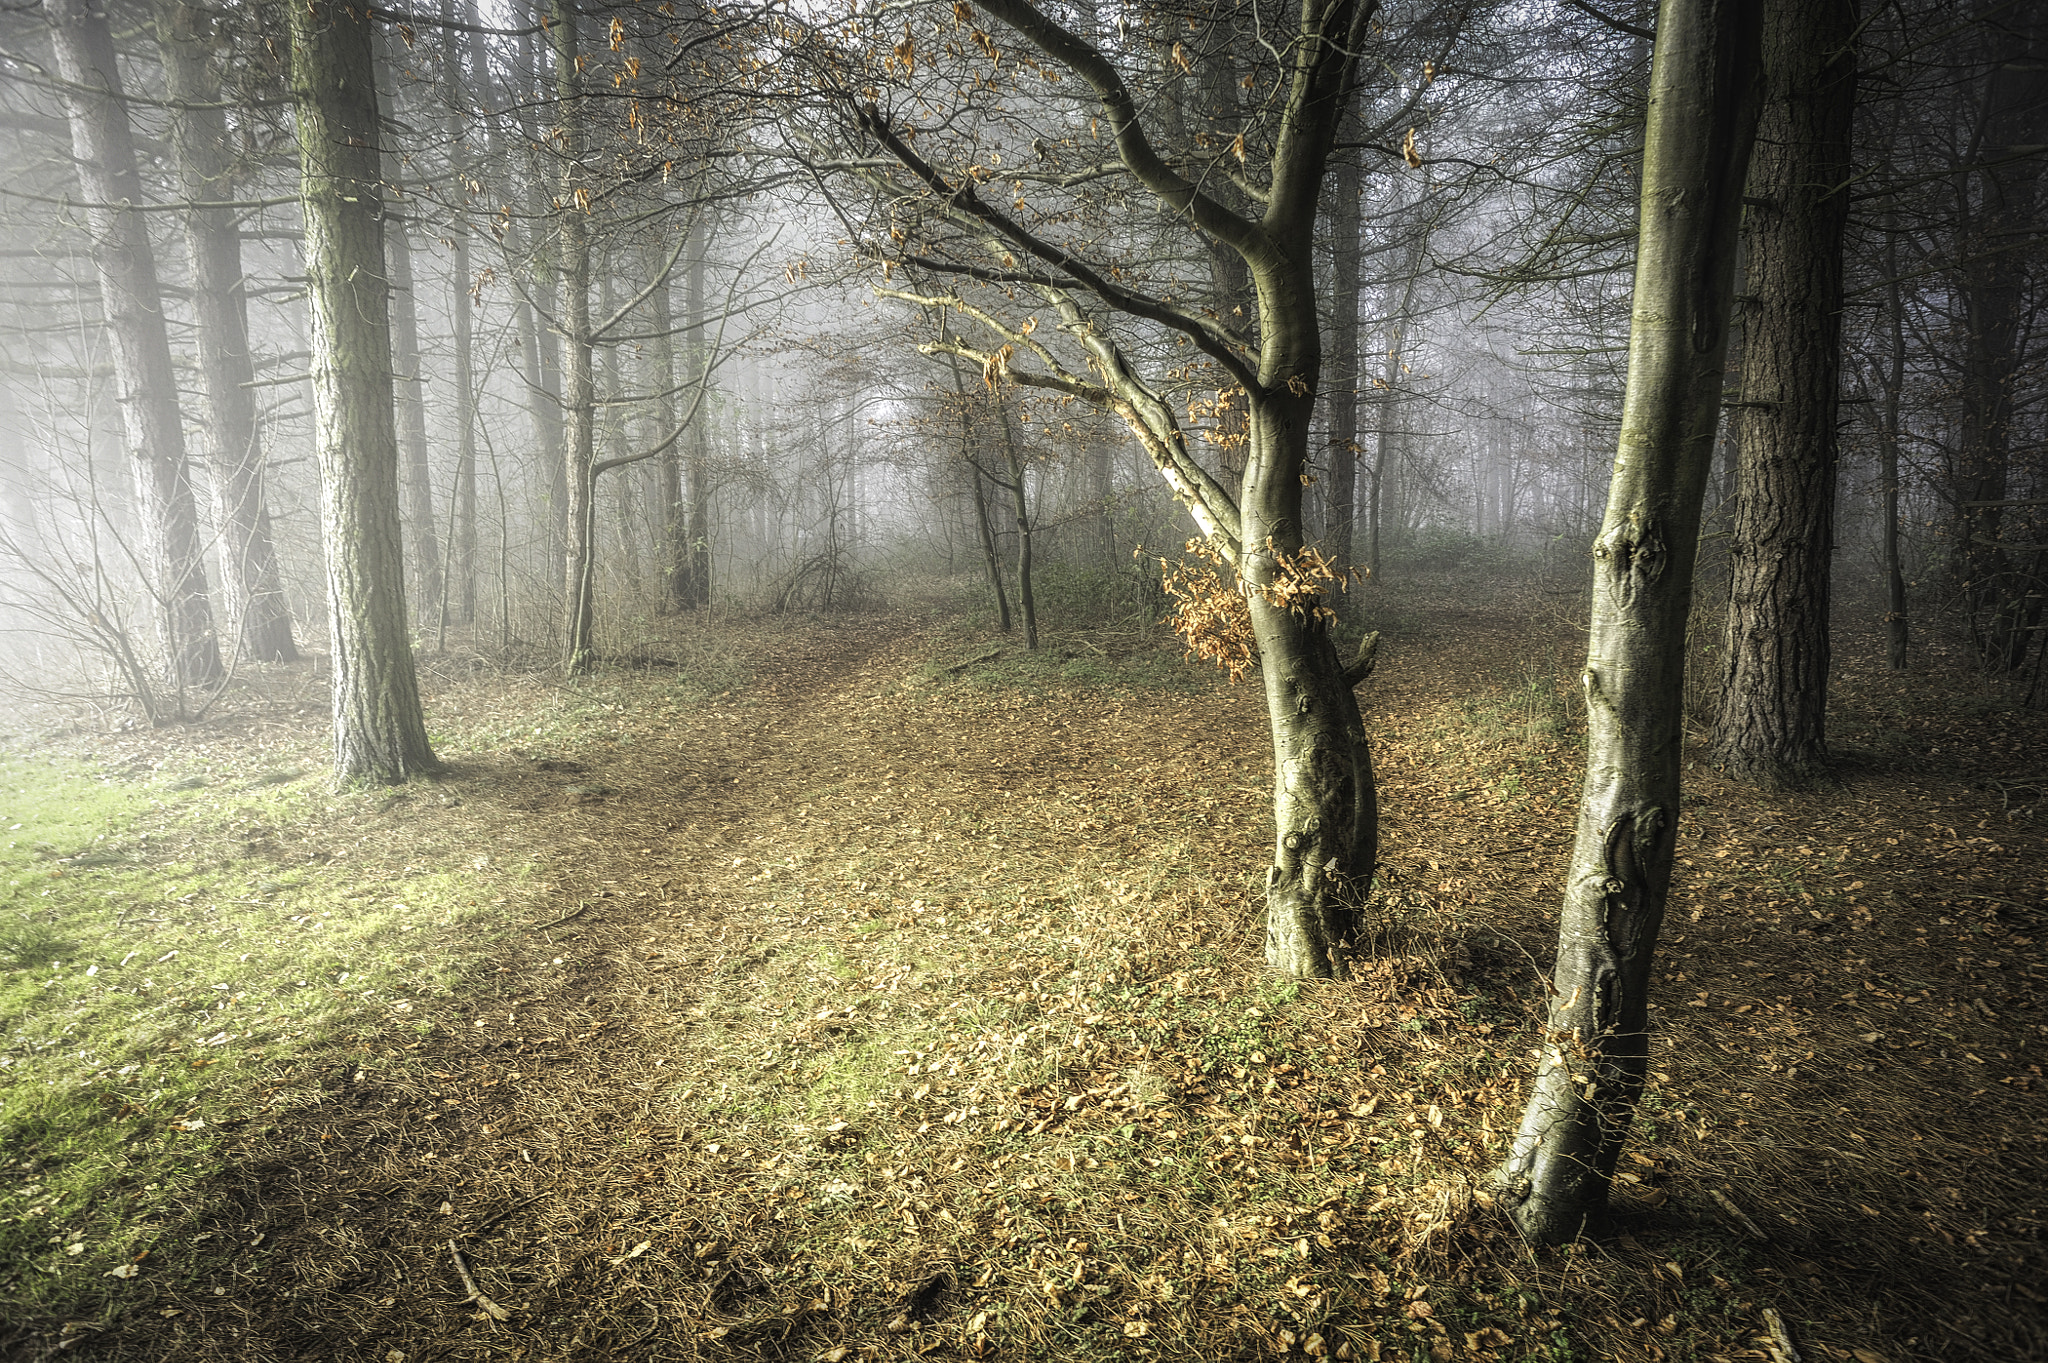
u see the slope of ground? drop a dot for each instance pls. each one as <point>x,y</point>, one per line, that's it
<point>904,1000</point>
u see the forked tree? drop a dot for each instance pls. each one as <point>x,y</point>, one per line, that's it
<point>942,222</point>
<point>1702,118</point>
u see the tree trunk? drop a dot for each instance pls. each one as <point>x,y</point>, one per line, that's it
<point>103,150</point>
<point>697,525</point>
<point>1027,603</point>
<point>1772,726</point>
<point>462,549</point>
<point>659,419</point>
<point>2005,168</point>
<point>579,397</point>
<point>379,731</point>
<point>1342,389</point>
<point>1888,436</point>
<point>981,514</point>
<point>419,520</point>
<point>1702,116</point>
<point>249,577</point>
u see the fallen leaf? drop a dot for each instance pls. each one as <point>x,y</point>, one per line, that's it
<point>124,1271</point>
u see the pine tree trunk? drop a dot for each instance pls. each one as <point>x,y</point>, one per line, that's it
<point>250,586</point>
<point>462,551</point>
<point>1027,600</point>
<point>1772,726</point>
<point>1702,117</point>
<point>379,731</point>
<point>103,151</point>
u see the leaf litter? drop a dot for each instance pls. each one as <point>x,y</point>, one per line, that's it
<point>886,1010</point>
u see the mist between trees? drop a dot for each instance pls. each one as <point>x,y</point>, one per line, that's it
<point>330,336</point>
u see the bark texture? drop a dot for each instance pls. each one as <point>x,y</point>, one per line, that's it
<point>1702,117</point>
<point>1771,729</point>
<point>146,387</point>
<point>579,375</point>
<point>379,731</point>
<point>250,588</point>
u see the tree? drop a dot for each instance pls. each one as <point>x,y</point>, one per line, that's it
<point>103,150</point>
<point>1772,726</point>
<point>379,730</point>
<point>939,221</point>
<point>1702,117</point>
<point>199,139</point>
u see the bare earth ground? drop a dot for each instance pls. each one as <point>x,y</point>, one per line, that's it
<point>901,1005</point>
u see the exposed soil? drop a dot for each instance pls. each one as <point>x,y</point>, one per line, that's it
<point>884,1010</point>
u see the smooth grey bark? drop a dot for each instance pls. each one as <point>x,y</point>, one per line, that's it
<point>251,591</point>
<point>1702,118</point>
<point>146,389</point>
<point>573,323</point>
<point>1771,726</point>
<point>379,731</point>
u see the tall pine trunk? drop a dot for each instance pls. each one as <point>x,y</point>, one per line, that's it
<point>1702,118</point>
<point>461,592</point>
<point>146,386</point>
<point>250,588</point>
<point>696,521</point>
<point>579,395</point>
<point>379,731</point>
<point>1772,726</point>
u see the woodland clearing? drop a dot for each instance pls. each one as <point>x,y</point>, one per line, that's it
<point>867,988</point>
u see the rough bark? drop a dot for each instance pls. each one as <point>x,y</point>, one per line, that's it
<point>1702,116</point>
<point>1020,505</point>
<point>982,525</point>
<point>379,731</point>
<point>1771,729</point>
<point>103,151</point>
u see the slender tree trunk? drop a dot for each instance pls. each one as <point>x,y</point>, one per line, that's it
<point>579,398</point>
<point>1027,603</point>
<point>1702,118</point>
<point>1772,726</point>
<point>1895,618</point>
<point>379,731</point>
<point>103,150</point>
<point>250,584</point>
<point>419,521</point>
<point>981,513</point>
<point>462,549</point>
<point>1342,389</point>
<point>659,419</point>
<point>697,525</point>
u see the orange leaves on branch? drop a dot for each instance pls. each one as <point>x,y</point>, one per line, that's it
<point>618,32</point>
<point>992,369</point>
<point>1408,152</point>
<point>1180,58</point>
<point>1211,611</point>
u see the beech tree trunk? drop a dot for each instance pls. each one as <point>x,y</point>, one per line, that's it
<point>379,731</point>
<point>146,386</point>
<point>696,524</point>
<point>250,587</point>
<point>579,396</point>
<point>1702,117</point>
<point>1772,726</point>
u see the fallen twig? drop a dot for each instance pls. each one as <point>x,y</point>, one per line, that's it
<point>552,922</point>
<point>1781,1338</point>
<point>494,1218</point>
<point>476,1295</point>
<point>1729,1207</point>
<point>979,658</point>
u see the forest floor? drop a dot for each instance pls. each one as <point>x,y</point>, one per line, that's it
<point>868,989</point>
